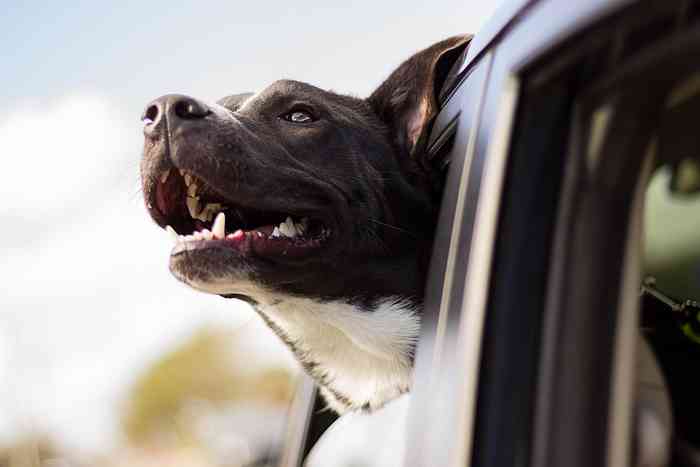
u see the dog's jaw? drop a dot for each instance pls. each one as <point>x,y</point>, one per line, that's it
<point>361,357</point>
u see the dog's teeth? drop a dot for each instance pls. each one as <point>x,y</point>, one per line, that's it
<point>290,226</point>
<point>287,228</point>
<point>172,233</point>
<point>193,207</point>
<point>206,235</point>
<point>275,233</point>
<point>219,227</point>
<point>192,190</point>
<point>188,179</point>
<point>285,231</point>
<point>164,177</point>
<point>197,235</point>
<point>182,172</point>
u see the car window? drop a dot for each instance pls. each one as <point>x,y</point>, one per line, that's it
<point>670,318</point>
<point>672,226</point>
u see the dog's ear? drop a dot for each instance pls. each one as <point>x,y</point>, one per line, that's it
<point>407,100</point>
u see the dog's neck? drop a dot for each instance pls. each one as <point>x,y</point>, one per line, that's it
<point>360,355</point>
<point>361,358</point>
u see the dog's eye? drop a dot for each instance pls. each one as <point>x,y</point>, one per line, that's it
<point>298,116</point>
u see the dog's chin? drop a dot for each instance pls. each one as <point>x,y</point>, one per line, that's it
<point>251,263</point>
<point>214,269</point>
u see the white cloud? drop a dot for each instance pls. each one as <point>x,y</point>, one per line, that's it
<point>56,153</point>
<point>90,302</point>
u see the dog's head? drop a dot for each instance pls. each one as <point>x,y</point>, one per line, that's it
<point>322,195</point>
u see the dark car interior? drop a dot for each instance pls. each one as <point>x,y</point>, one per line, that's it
<point>657,118</point>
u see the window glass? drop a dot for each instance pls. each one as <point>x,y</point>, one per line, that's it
<point>669,313</point>
<point>672,247</point>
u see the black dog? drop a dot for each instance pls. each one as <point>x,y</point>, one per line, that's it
<point>318,209</point>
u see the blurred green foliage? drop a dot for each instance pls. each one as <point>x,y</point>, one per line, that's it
<point>208,367</point>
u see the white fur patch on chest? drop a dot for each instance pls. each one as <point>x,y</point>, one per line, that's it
<point>361,358</point>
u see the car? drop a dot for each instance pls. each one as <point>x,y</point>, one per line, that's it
<point>560,319</point>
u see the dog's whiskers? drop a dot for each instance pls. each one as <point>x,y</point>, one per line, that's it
<point>371,235</point>
<point>392,227</point>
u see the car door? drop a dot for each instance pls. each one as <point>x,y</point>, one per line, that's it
<point>542,371</point>
<point>529,338</point>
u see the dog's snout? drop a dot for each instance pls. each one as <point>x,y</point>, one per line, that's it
<point>174,108</point>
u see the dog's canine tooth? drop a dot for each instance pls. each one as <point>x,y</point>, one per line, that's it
<point>193,206</point>
<point>192,190</point>
<point>275,233</point>
<point>219,227</point>
<point>164,177</point>
<point>172,233</point>
<point>188,179</point>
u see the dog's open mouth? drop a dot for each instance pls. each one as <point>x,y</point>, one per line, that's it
<point>198,217</point>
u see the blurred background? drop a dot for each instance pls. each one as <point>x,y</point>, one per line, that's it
<point>105,359</point>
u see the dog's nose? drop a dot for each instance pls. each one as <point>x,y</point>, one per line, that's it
<point>174,108</point>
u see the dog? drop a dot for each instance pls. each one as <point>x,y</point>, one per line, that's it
<point>318,209</point>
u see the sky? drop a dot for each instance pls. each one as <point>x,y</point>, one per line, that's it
<point>87,301</point>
